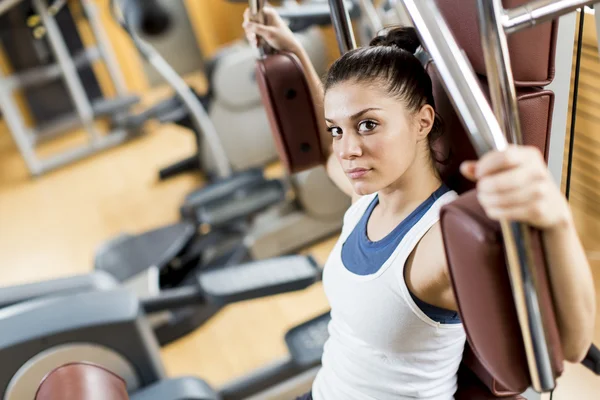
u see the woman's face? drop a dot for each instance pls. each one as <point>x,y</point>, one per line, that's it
<point>375,138</point>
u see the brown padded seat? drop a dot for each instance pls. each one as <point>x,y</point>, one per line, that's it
<point>532,50</point>
<point>82,381</point>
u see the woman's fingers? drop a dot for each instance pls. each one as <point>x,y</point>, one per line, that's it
<point>517,197</point>
<point>512,157</point>
<point>467,168</point>
<point>511,179</point>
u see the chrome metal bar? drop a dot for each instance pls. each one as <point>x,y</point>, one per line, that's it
<point>486,134</point>
<point>17,127</point>
<point>372,17</point>
<point>342,24</point>
<point>69,70</point>
<point>498,70</point>
<point>521,262</point>
<point>104,47</point>
<point>200,119</point>
<point>539,11</point>
<point>256,11</point>
<point>457,75</point>
<point>7,5</point>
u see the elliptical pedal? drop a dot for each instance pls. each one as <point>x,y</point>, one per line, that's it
<point>305,342</point>
<point>259,278</point>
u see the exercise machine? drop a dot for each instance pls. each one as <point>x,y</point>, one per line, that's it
<point>109,327</point>
<point>50,62</point>
<point>240,215</point>
<point>231,106</point>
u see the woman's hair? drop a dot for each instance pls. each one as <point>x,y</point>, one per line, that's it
<point>389,59</point>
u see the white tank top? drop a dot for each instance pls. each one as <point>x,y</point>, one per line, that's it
<point>381,345</point>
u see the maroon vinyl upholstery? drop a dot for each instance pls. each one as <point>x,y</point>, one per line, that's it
<point>287,99</point>
<point>82,381</point>
<point>494,356</point>
<point>532,50</point>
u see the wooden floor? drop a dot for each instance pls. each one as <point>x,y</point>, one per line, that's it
<point>51,226</point>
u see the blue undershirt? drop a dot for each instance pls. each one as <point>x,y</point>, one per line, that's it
<point>362,256</point>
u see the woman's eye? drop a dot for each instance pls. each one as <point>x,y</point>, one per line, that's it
<point>335,131</point>
<point>366,126</point>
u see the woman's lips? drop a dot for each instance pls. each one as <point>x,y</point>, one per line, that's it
<point>357,172</point>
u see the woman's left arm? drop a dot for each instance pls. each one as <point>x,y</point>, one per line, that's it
<point>515,185</point>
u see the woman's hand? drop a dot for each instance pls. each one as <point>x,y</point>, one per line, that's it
<point>516,185</point>
<point>275,31</point>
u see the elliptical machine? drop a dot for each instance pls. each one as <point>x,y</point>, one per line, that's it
<point>240,217</point>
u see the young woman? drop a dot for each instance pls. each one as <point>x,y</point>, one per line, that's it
<point>395,331</point>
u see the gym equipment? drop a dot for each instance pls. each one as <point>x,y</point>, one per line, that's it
<point>514,295</point>
<point>287,97</point>
<point>54,65</point>
<point>232,102</point>
<point>210,290</point>
<point>109,328</point>
<point>217,231</point>
<point>445,52</point>
<point>508,365</point>
<point>259,218</point>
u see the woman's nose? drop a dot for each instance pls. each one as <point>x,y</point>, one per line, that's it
<point>349,146</point>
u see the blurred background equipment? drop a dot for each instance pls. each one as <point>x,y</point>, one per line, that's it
<point>53,70</point>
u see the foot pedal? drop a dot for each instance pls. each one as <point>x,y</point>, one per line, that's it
<point>128,255</point>
<point>258,279</point>
<point>219,190</point>
<point>241,204</point>
<point>305,342</point>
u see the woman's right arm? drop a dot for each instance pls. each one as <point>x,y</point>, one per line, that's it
<point>278,35</point>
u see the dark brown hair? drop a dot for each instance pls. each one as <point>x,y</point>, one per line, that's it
<point>390,59</point>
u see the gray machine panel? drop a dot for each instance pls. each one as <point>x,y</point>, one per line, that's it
<point>177,389</point>
<point>109,319</point>
<point>75,284</point>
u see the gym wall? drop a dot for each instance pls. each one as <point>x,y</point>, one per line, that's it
<point>585,175</point>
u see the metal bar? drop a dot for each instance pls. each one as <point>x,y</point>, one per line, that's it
<point>105,142</point>
<point>498,70</point>
<point>103,44</point>
<point>521,261</point>
<point>70,74</point>
<point>561,86</point>
<point>257,15</point>
<point>539,11</point>
<point>170,299</point>
<point>200,119</point>
<point>7,5</point>
<point>37,75</point>
<point>457,75</point>
<point>372,17</point>
<point>342,24</point>
<point>16,125</point>
<point>597,17</point>
<point>485,133</point>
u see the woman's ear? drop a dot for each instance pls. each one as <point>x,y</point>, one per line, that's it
<point>425,118</point>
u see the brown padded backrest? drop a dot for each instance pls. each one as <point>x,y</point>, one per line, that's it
<point>473,243</point>
<point>535,111</point>
<point>531,50</point>
<point>287,100</point>
<point>82,381</point>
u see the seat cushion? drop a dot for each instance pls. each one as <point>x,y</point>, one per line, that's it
<point>82,381</point>
<point>478,271</point>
